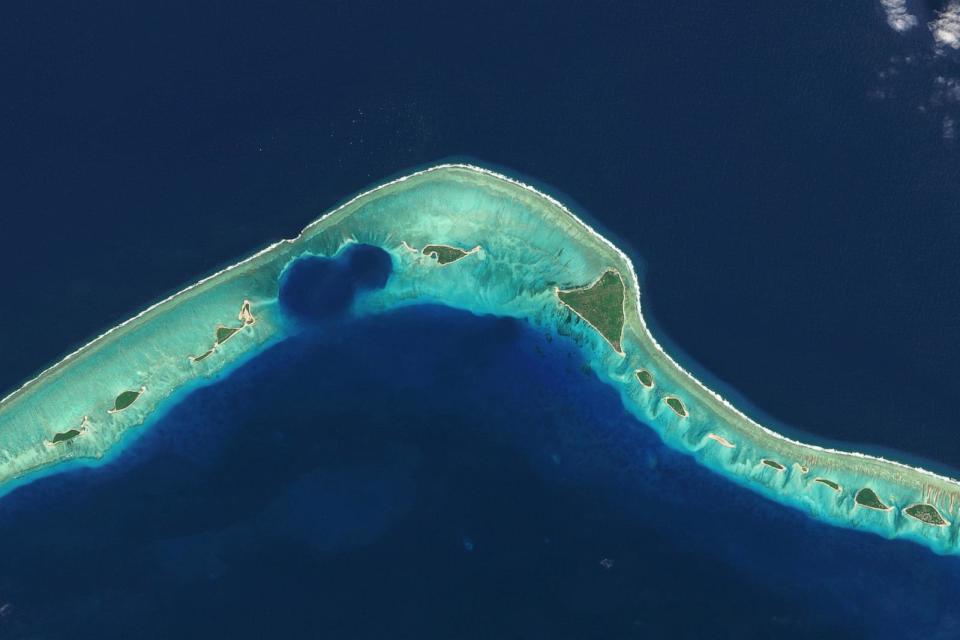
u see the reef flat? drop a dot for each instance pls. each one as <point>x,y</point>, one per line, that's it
<point>531,258</point>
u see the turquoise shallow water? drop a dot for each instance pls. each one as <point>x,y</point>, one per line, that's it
<point>785,170</point>
<point>456,474</point>
<point>524,245</point>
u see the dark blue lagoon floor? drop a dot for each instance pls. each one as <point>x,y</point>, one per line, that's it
<point>433,474</point>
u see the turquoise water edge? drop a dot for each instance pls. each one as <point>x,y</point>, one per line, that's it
<point>519,246</point>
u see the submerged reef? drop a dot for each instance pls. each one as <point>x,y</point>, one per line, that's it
<point>531,258</point>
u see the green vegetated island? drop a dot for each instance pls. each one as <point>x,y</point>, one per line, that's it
<point>125,399</point>
<point>490,245</point>
<point>600,305</point>
<point>444,254</point>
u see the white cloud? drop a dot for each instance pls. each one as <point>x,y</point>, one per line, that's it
<point>946,27</point>
<point>927,79</point>
<point>898,17</point>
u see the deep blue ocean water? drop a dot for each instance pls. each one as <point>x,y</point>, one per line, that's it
<point>780,168</point>
<point>430,473</point>
<point>786,173</point>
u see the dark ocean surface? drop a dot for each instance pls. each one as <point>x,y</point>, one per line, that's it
<point>429,473</point>
<point>785,174</point>
<point>778,167</point>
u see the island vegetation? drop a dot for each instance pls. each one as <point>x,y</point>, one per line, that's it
<point>600,305</point>
<point>65,436</point>
<point>70,434</point>
<point>245,315</point>
<point>645,378</point>
<point>125,399</point>
<point>868,498</point>
<point>829,483</point>
<point>225,333</point>
<point>568,252</point>
<point>676,404</point>
<point>444,254</point>
<point>927,514</point>
<point>202,356</point>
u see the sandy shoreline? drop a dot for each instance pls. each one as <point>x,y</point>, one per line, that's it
<point>702,395</point>
<point>594,234</point>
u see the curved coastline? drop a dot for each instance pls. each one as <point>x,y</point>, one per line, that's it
<point>502,276</point>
